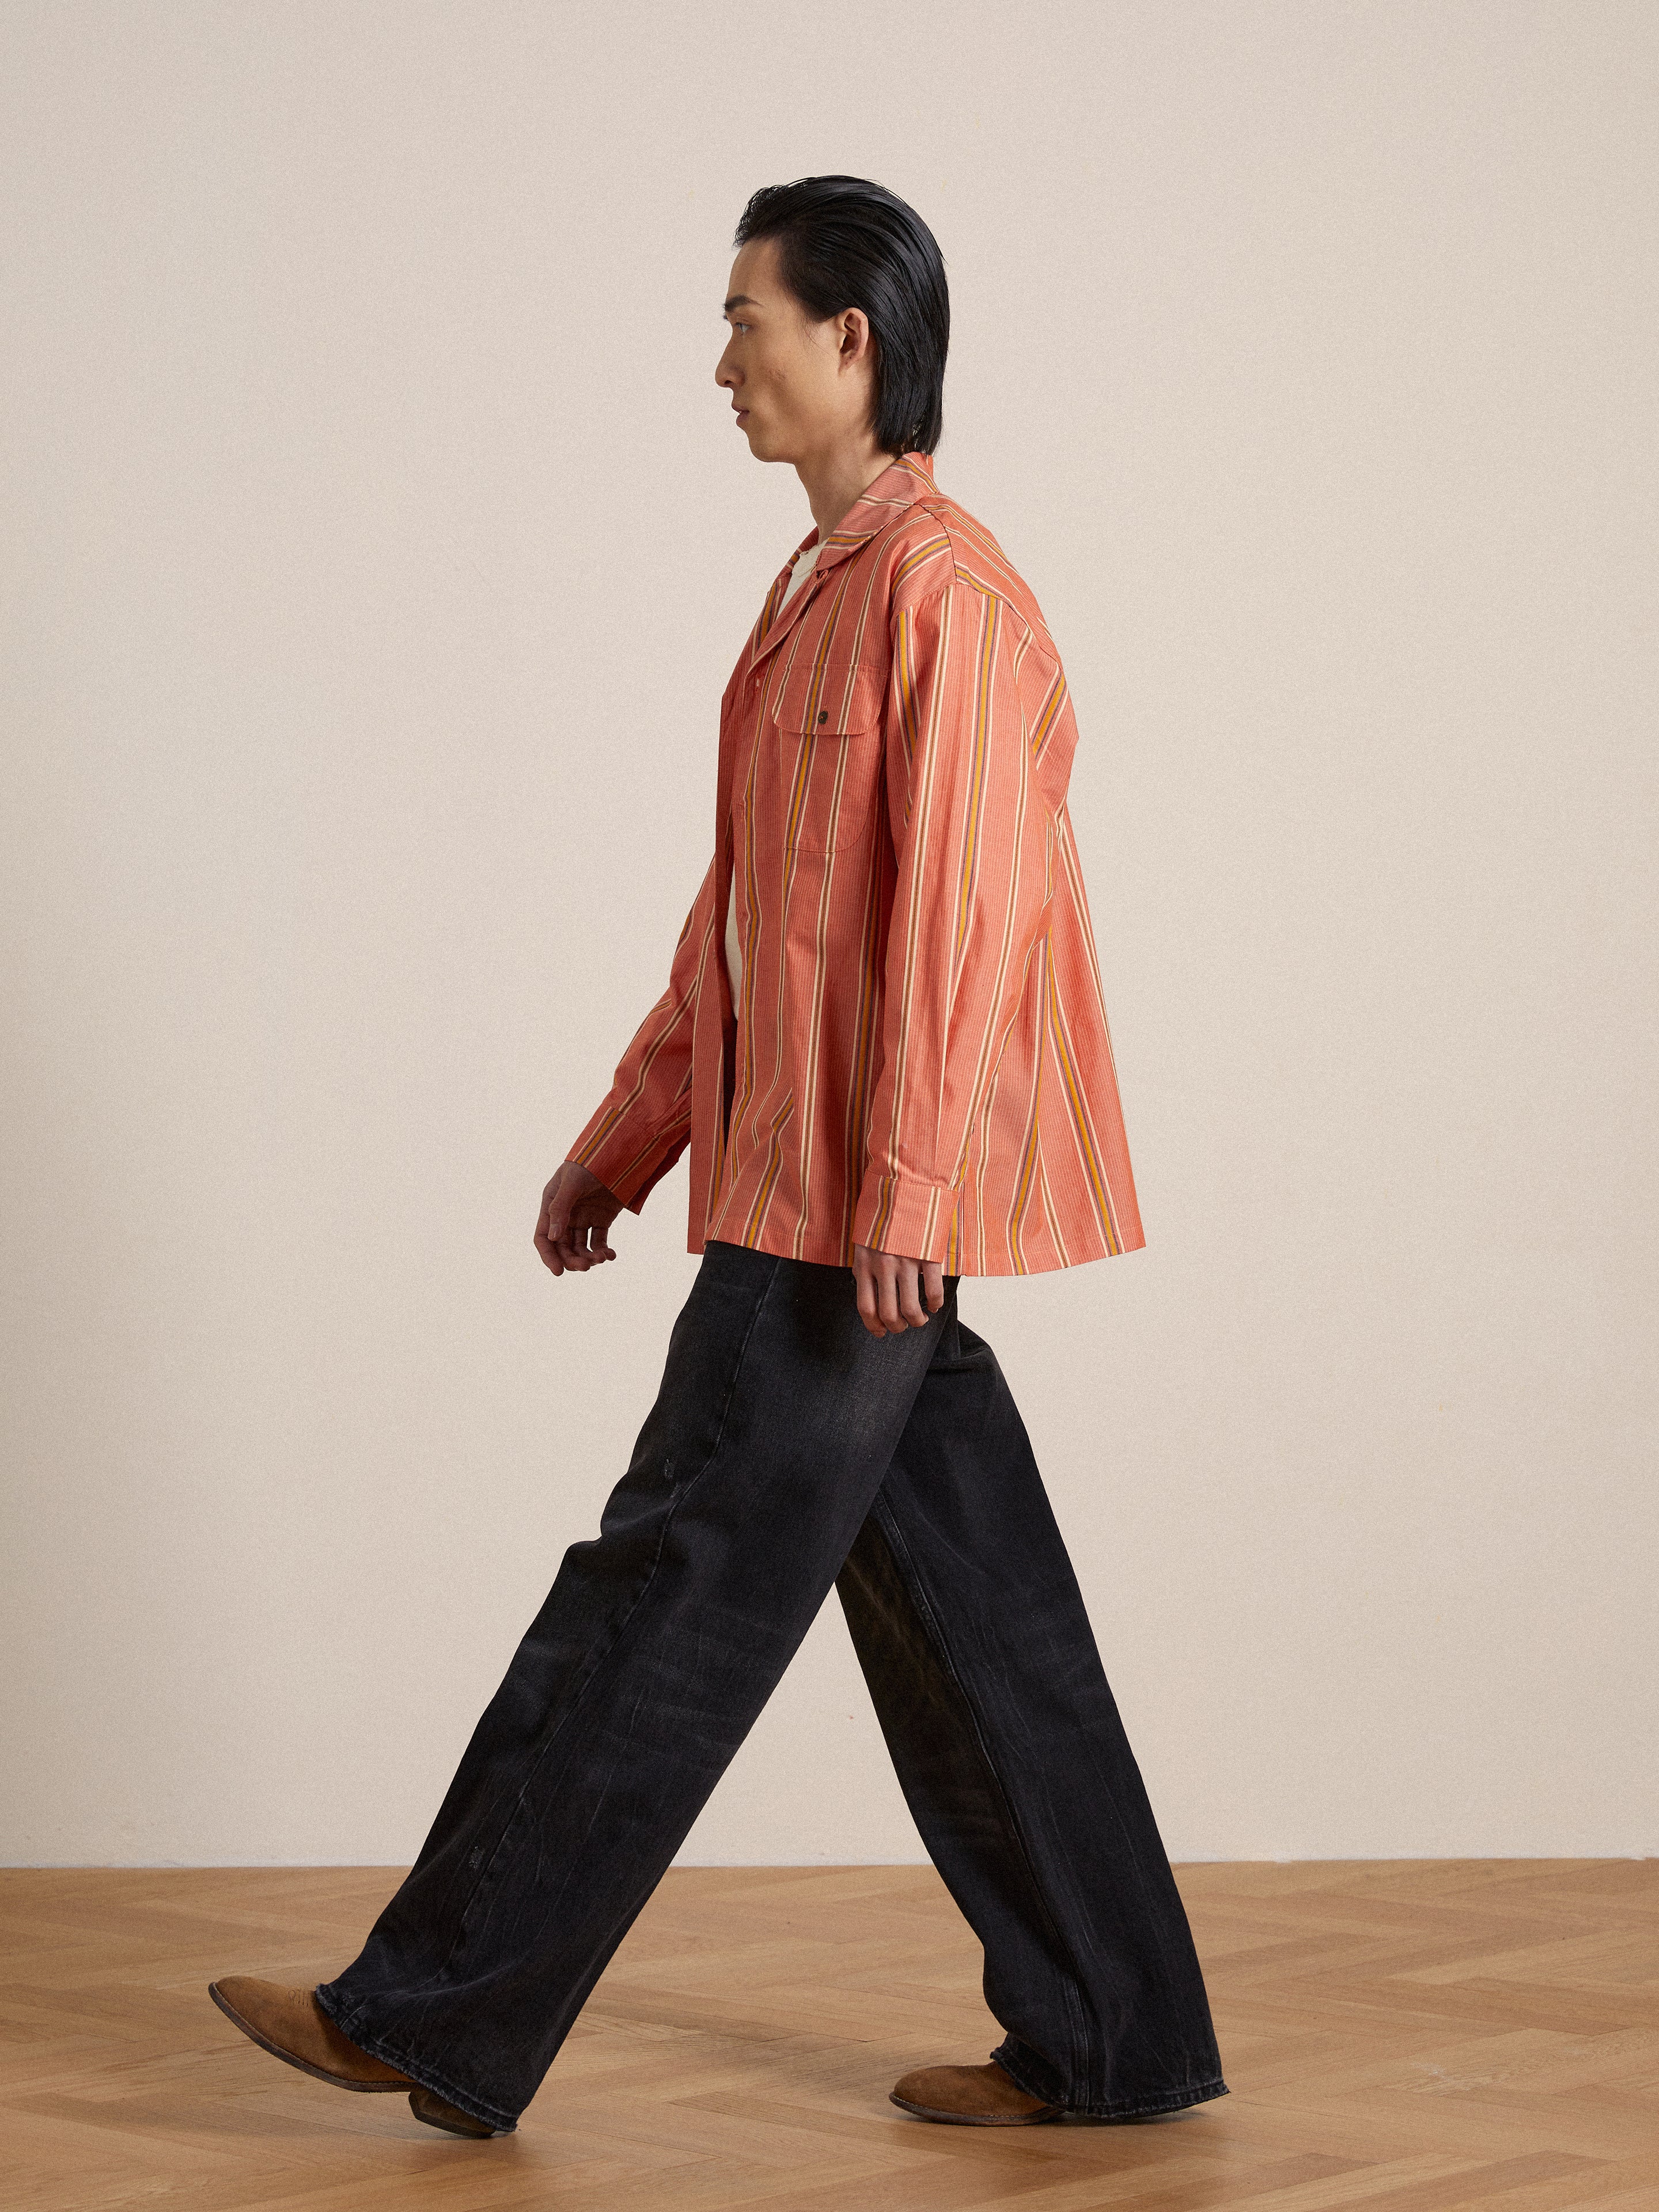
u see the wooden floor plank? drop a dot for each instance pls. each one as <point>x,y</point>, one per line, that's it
<point>1440,2036</point>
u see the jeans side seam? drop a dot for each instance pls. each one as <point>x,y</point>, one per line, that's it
<point>908,1573</point>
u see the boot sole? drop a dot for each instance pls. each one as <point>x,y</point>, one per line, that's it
<point>978,2119</point>
<point>304,2065</point>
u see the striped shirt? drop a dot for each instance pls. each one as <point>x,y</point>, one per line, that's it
<point>916,1057</point>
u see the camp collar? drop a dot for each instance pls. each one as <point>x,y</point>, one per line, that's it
<point>904,481</point>
<point>910,478</point>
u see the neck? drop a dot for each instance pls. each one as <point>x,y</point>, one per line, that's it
<point>835,481</point>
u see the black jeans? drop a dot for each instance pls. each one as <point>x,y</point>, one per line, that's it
<point>789,1450</point>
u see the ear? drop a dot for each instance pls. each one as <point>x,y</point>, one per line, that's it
<point>855,333</point>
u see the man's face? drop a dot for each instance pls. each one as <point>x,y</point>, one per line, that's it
<point>801,388</point>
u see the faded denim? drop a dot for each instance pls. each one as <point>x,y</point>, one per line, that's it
<point>789,1451</point>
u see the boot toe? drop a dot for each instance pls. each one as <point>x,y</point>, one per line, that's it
<point>290,2024</point>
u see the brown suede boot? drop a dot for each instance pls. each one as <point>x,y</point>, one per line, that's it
<point>970,2097</point>
<point>291,2025</point>
<point>427,2106</point>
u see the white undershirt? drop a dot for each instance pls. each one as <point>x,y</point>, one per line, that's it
<point>802,570</point>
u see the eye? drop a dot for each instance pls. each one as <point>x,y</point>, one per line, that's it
<point>737,325</point>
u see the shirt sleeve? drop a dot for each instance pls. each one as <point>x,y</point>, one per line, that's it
<point>643,1123</point>
<point>971,902</point>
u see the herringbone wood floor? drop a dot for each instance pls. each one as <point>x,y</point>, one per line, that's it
<point>1398,2037</point>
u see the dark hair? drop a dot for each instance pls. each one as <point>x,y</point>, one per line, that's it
<point>844,242</point>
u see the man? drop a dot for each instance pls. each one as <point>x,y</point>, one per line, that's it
<point>883,1042</point>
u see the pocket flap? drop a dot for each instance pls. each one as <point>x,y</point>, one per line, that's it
<point>838,699</point>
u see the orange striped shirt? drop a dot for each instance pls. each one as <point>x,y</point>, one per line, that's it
<point>920,1060</point>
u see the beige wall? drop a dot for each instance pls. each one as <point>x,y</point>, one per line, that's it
<point>376,545</point>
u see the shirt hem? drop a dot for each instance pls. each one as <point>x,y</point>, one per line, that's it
<point>826,1251</point>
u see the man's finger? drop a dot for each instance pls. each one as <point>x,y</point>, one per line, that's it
<point>887,1302</point>
<point>562,1234</point>
<point>598,1243</point>
<point>546,1240</point>
<point>908,1297</point>
<point>933,1279</point>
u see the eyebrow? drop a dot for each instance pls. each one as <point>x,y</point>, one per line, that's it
<point>738,300</point>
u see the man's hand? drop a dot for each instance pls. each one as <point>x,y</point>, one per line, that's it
<point>889,1292</point>
<point>576,1211</point>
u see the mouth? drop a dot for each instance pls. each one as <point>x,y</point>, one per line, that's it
<point>742,414</point>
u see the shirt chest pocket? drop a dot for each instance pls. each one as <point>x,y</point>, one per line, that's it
<point>826,726</point>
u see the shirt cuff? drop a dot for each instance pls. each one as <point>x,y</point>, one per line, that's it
<point>627,1166</point>
<point>906,1215</point>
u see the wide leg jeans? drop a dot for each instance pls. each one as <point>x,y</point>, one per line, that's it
<point>789,1451</point>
